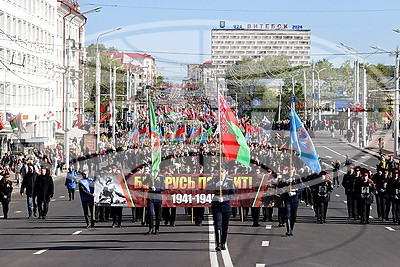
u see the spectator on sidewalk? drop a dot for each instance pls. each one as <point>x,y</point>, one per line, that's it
<point>381,144</point>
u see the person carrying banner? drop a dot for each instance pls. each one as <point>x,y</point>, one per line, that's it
<point>224,190</point>
<point>154,202</point>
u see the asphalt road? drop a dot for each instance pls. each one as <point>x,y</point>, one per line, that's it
<point>62,240</point>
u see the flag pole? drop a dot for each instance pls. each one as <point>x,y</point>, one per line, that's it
<point>220,144</point>
<point>151,136</point>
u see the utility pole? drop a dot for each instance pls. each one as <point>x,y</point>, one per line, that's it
<point>364,106</point>
<point>66,105</point>
<point>396,107</point>
<point>113,105</point>
<point>313,94</point>
<point>305,94</point>
<point>356,98</point>
<point>98,77</point>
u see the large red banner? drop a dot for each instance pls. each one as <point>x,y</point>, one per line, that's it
<point>188,190</point>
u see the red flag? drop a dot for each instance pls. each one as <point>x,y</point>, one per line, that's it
<point>79,122</point>
<point>301,104</point>
<point>1,125</point>
<point>283,147</point>
<point>388,116</point>
<point>102,108</point>
<point>359,109</point>
<point>109,115</point>
<point>103,117</point>
<point>180,131</point>
<point>234,144</point>
<point>143,131</point>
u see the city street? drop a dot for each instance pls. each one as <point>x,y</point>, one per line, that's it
<point>62,240</point>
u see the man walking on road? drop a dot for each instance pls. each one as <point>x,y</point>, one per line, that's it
<point>86,191</point>
<point>5,193</point>
<point>28,183</point>
<point>44,191</point>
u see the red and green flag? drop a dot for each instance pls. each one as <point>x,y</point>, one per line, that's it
<point>155,142</point>
<point>234,144</point>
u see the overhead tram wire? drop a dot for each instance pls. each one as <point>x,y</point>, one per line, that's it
<point>242,10</point>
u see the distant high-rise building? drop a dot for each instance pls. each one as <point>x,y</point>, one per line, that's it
<point>259,41</point>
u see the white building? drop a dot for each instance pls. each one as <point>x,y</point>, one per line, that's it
<point>34,36</point>
<point>257,42</point>
<point>143,67</point>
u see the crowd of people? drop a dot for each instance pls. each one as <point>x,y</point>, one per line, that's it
<point>290,181</point>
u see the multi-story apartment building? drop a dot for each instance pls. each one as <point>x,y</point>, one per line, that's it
<point>142,66</point>
<point>38,39</point>
<point>231,45</point>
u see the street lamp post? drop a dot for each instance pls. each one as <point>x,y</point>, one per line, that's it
<point>396,96</point>
<point>114,98</point>
<point>98,77</point>
<point>319,94</point>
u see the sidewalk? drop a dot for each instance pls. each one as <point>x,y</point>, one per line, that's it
<point>372,147</point>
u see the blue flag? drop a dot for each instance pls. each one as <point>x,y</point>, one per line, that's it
<point>302,142</point>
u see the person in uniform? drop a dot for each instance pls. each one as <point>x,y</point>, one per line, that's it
<point>347,183</point>
<point>5,193</point>
<point>364,189</point>
<point>394,189</point>
<point>224,189</point>
<point>381,190</point>
<point>387,180</point>
<point>270,197</point>
<point>293,185</point>
<point>154,202</point>
<point>279,201</point>
<point>322,193</point>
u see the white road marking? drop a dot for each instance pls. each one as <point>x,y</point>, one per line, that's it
<point>342,171</point>
<point>329,157</point>
<point>265,244</point>
<point>226,257</point>
<point>40,252</point>
<point>345,201</point>
<point>77,232</point>
<point>334,151</point>
<point>390,229</point>
<point>268,227</point>
<point>337,195</point>
<point>211,238</point>
<point>17,211</point>
<point>61,196</point>
<point>53,200</point>
<point>362,163</point>
<point>371,217</point>
<point>260,265</point>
